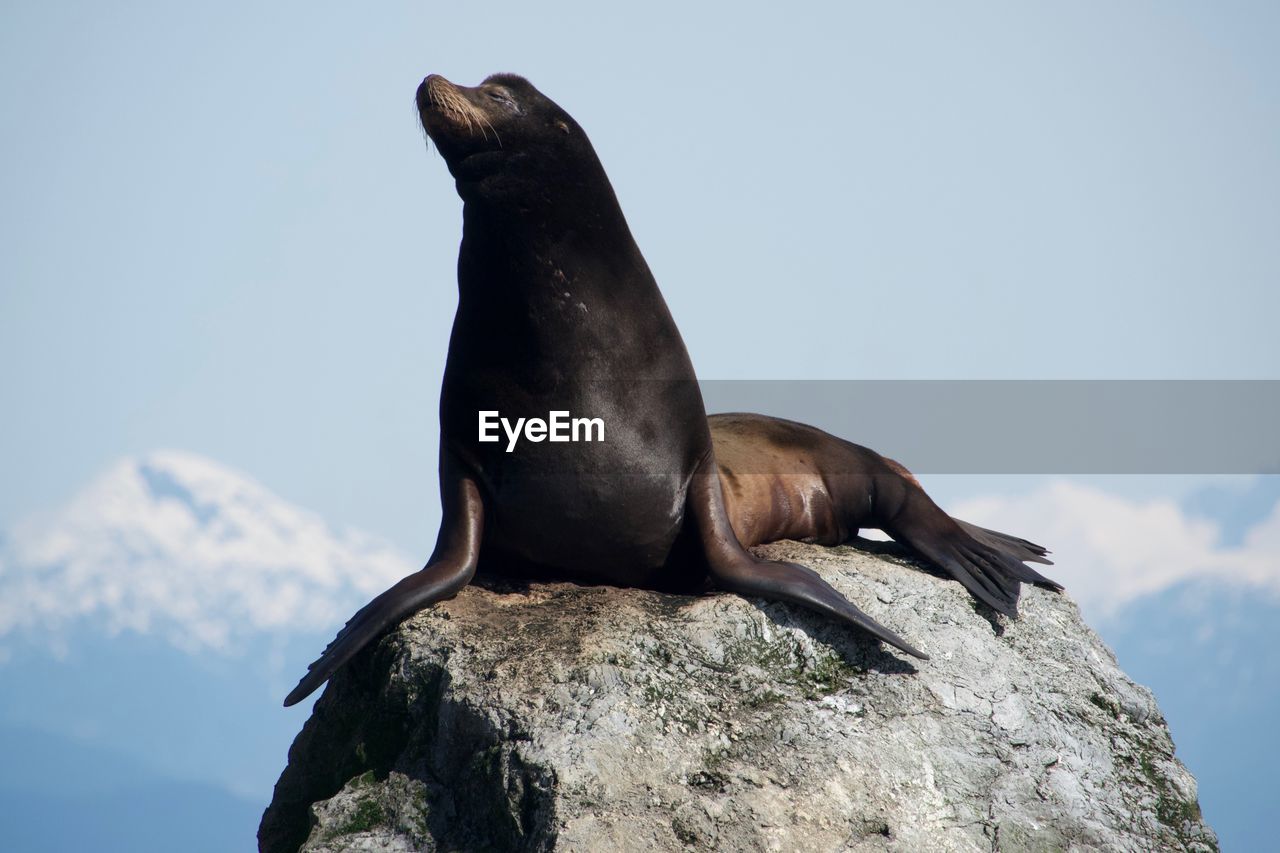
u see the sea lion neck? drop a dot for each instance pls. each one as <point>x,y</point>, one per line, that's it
<point>524,195</point>
<point>583,241</point>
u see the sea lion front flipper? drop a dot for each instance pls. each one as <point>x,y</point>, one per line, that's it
<point>451,567</point>
<point>734,569</point>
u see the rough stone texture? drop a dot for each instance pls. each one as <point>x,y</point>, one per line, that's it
<point>590,718</point>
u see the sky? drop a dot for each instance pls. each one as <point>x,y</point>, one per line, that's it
<point>222,231</point>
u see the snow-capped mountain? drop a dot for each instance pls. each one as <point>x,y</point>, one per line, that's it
<point>177,546</point>
<point>158,618</point>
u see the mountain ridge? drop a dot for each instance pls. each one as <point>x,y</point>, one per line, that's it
<point>173,543</point>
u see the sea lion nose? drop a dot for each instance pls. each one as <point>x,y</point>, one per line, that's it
<point>424,89</point>
<point>432,83</point>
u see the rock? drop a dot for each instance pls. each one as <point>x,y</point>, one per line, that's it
<point>555,716</point>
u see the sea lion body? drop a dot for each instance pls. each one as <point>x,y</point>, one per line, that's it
<point>787,480</point>
<point>558,311</point>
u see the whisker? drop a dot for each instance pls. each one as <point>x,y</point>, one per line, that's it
<point>453,104</point>
<point>494,129</point>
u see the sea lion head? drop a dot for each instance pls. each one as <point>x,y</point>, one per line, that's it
<point>505,142</point>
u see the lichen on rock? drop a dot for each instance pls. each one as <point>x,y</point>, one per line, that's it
<point>555,716</point>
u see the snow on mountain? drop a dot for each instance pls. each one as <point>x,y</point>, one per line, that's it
<point>178,546</point>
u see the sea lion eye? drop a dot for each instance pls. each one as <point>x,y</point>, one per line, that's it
<point>500,96</point>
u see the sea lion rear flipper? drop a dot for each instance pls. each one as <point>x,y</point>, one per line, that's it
<point>734,569</point>
<point>988,564</point>
<point>450,568</point>
<point>1014,546</point>
<point>979,572</point>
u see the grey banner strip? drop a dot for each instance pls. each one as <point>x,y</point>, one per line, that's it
<point>1034,427</point>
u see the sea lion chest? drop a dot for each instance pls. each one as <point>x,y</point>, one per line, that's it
<point>569,393</point>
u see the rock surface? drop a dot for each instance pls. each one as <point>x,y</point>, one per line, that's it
<point>591,718</point>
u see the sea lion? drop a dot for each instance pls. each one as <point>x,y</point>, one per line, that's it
<point>558,311</point>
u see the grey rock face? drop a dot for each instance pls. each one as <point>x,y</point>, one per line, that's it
<point>592,718</point>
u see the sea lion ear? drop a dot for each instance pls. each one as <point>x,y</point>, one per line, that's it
<point>563,126</point>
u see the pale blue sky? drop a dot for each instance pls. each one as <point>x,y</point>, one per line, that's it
<point>222,230</point>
